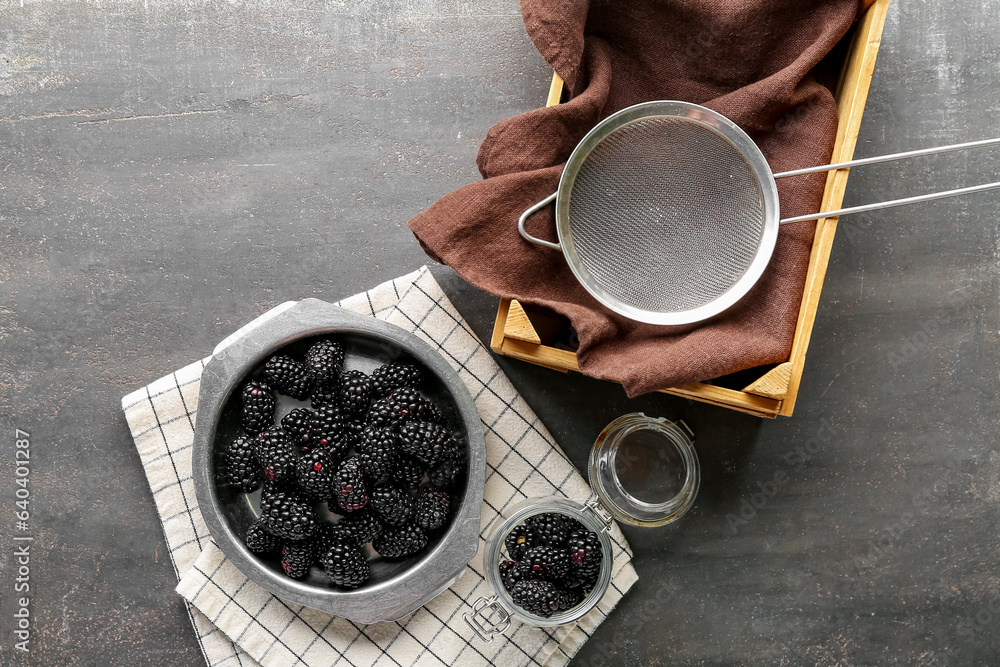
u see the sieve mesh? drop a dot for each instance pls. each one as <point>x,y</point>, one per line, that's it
<point>666,214</point>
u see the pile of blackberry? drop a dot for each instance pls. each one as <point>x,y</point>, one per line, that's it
<point>371,448</point>
<point>552,564</point>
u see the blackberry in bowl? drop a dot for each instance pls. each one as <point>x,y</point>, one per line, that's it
<point>285,482</point>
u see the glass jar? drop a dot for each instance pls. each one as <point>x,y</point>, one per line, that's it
<point>643,471</point>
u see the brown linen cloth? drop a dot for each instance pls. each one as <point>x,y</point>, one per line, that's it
<point>752,61</point>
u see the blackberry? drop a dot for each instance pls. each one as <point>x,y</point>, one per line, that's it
<point>349,486</point>
<point>273,437</point>
<point>357,528</point>
<point>381,415</point>
<point>408,472</point>
<point>400,542</point>
<point>568,599</point>
<point>537,597</point>
<point>345,564</point>
<point>446,473</point>
<point>427,441</point>
<point>298,424</point>
<point>547,562</point>
<point>315,473</point>
<point>431,509</point>
<point>518,542</point>
<point>288,376</point>
<point>377,453</point>
<point>355,394</point>
<point>286,515</point>
<point>506,567</point>
<point>549,529</point>
<point>324,394</point>
<point>242,466</point>
<point>585,552</point>
<point>259,541</point>
<point>387,379</point>
<point>324,360</point>
<point>516,574</point>
<point>362,526</point>
<point>297,558</point>
<point>258,407</point>
<point>580,580</point>
<point>276,456</point>
<point>279,467</point>
<point>353,428</point>
<point>329,431</point>
<point>403,405</point>
<point>324,536</point>
<point>393,505</point>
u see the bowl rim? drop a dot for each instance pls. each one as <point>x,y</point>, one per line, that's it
<point>230,364</point>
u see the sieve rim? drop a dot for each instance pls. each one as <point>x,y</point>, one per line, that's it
<point>720,125</point>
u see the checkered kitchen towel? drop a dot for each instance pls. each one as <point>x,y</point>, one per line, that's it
<point>239,623</point>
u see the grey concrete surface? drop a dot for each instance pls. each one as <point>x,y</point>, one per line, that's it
<point>169,170</point>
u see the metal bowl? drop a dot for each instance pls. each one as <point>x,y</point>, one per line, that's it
<point>396,587</point>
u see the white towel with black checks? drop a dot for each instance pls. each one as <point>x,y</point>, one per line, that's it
<point>239,623</point>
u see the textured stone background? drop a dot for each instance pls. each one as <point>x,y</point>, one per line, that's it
<point>169,170</point>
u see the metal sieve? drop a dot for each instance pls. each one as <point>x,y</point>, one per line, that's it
<point>668,213</point>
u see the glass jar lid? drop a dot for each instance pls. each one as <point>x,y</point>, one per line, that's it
<point>644,470</point>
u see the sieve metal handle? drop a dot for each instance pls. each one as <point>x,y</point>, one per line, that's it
<point>531,211</point>
<point>889,204</point>
<point>887,158</point>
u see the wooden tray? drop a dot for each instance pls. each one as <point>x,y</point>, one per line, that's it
<point>522,336</point>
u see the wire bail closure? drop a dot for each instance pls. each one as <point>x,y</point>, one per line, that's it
<point>482,623</point>
<point>600,512</point>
